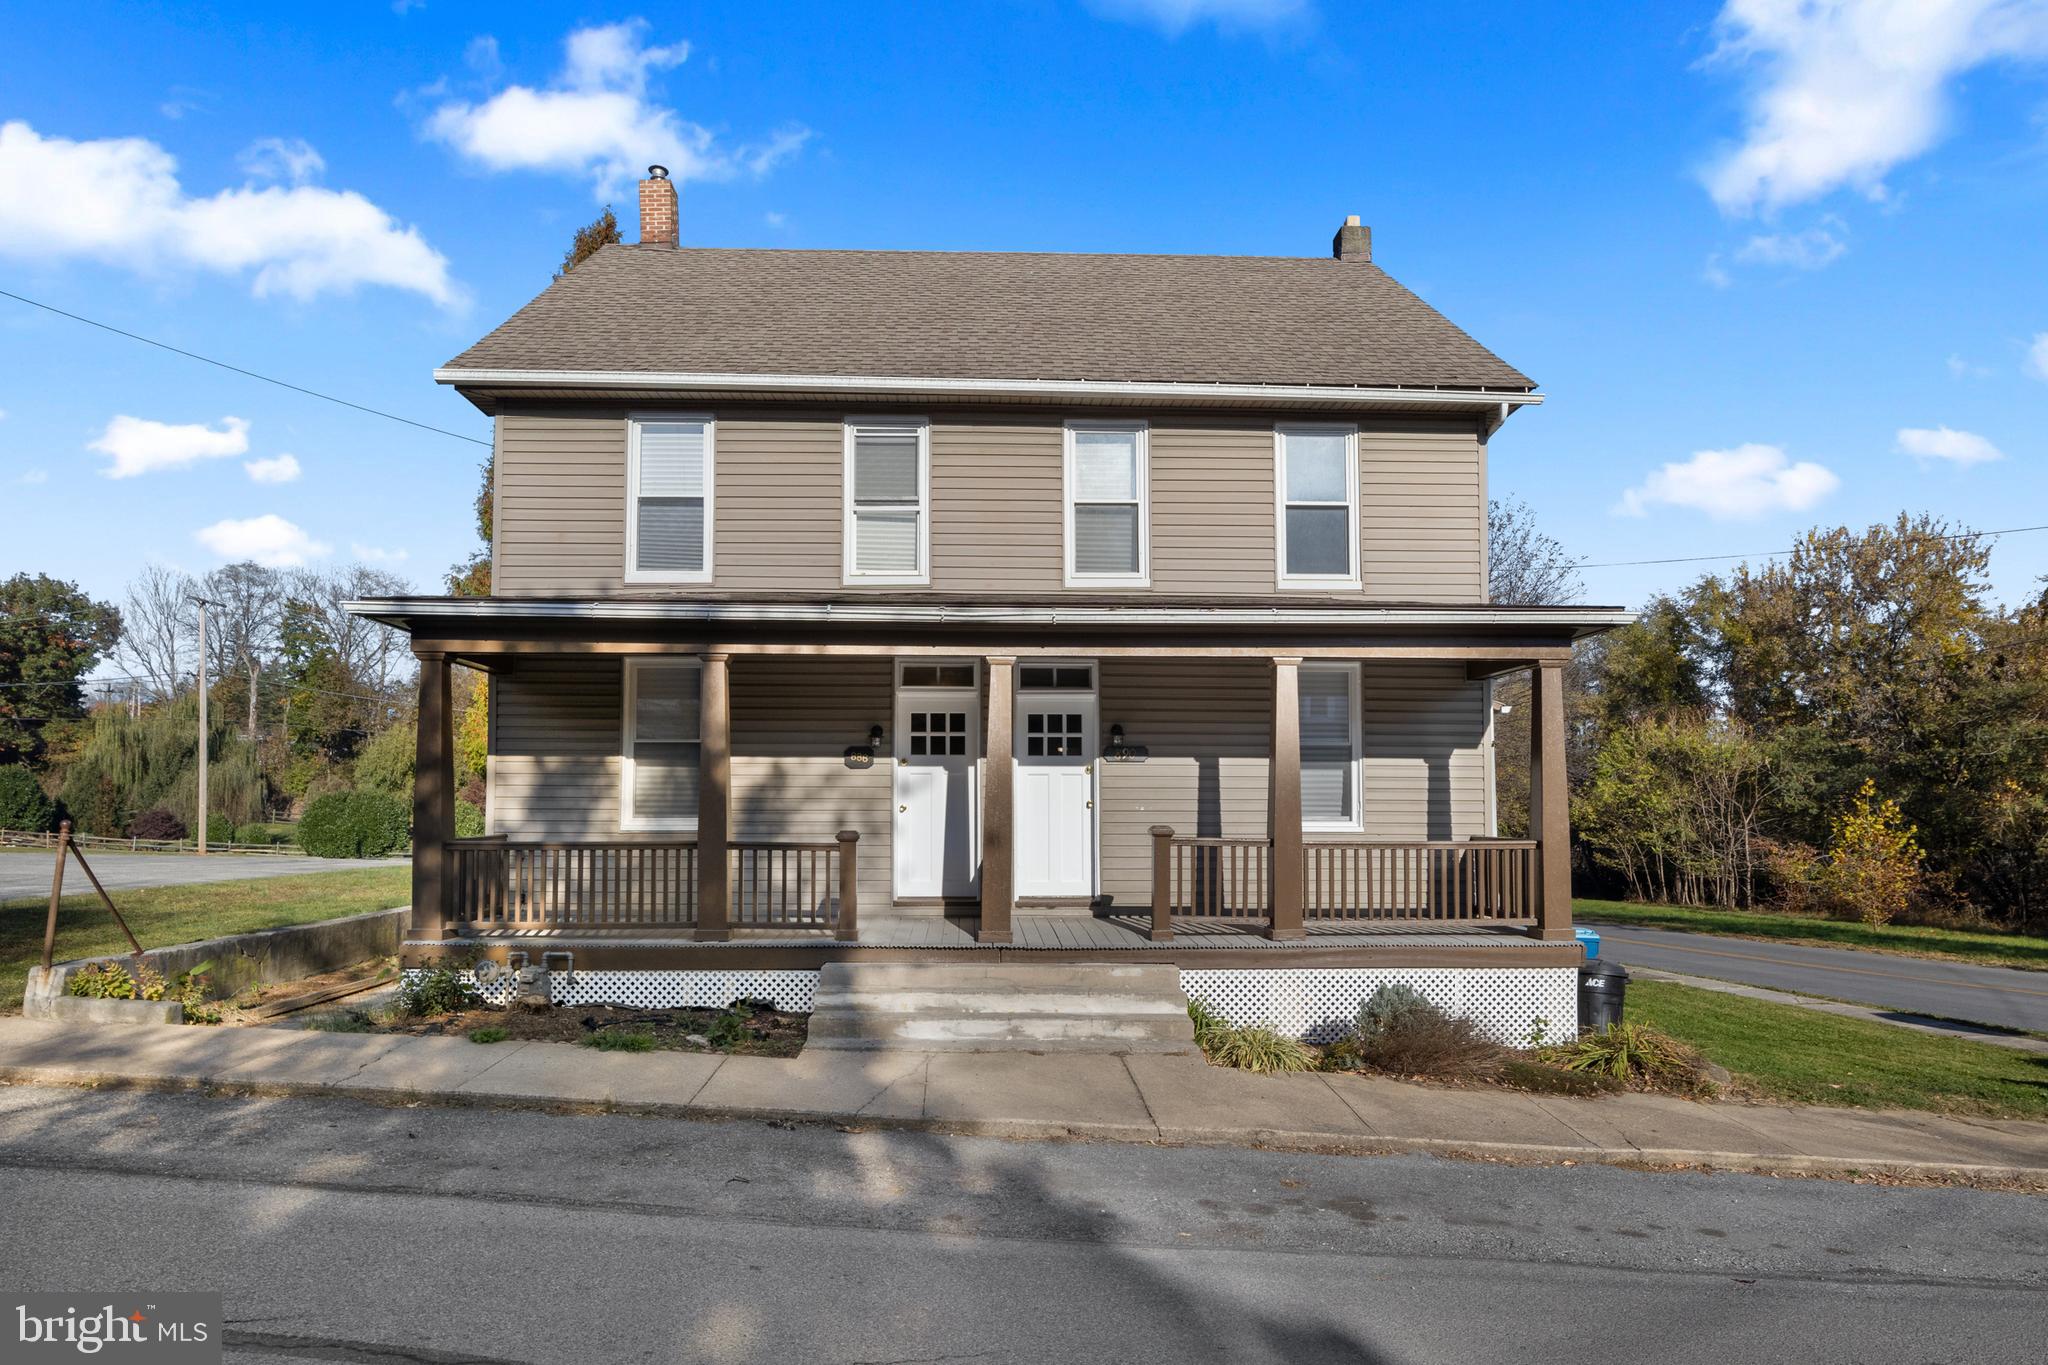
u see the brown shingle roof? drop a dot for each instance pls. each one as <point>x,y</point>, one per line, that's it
<point>990,315</point>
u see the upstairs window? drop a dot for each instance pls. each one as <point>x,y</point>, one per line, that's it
<point>888,490</point>
<point>1107,522</point>
<point>1329,747</point>
<point>668,504</point>
<point>1316,475</point>
<point>663,744</point>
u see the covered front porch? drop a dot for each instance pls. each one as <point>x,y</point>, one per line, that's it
<point>1189,715</point>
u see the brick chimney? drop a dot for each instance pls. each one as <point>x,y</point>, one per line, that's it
<point>657,208</point>
<point>1352,242</point>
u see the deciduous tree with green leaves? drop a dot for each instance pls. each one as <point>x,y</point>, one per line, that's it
<point>51,636</point>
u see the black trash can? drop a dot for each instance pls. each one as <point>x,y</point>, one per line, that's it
<point>1603,989</point>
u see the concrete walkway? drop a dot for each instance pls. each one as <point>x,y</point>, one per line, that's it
<point>25,873</point>
<point>2005,997</point>
<point>1132,1098</point>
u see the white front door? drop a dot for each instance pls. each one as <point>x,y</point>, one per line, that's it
<point>936,746</point>
<point>1055,794</point>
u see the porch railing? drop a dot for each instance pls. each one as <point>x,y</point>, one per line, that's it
<point>498,884</point>
<point>1201,880</point>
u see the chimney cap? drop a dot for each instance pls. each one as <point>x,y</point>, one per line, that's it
<point>1350,219</point>
<point>661,173</point>
<point>1353,241</point>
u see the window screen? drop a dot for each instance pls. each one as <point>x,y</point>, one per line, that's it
<point>1319,516</point>
<point>666,748</point>
<point>1329,771</point>
<point>674,474</point>
<point>888,501</point>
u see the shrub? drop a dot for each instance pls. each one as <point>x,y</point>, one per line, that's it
<point>620,1040</point>
<point>102,981</point>
<point>1873,863</point>
<point>157,824</point>
<point>469,820</point>
<point>23,805</point>
<point>357,824</point>
<point>729,1029</point>
<point>1635,1054</point>
<point>1402,1034</point>
<point>438,990</point>
<point>219,830</point>
<point>261,832</point>
<point>1391,1006</point>
<point>489,1035</point>
<point>385,763</point>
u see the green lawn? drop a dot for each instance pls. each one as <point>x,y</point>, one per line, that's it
<point>1996,949</point>
<point>1784,1052</point>
<point>164,915</point>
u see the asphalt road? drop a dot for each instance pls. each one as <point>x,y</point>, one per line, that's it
<point>26,872</point>
<point>341,1231</point>
<point>2003,996</point>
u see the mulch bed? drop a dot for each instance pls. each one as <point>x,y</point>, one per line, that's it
<point>766,1032</point>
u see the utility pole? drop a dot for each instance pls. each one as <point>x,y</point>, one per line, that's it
<point>204,603</point>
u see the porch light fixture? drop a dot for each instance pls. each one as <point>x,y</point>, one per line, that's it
<point>875,735</point>
<point>1116,736</point>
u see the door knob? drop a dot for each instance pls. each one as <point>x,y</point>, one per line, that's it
<point>1091,805</point>
<point>904,809</point>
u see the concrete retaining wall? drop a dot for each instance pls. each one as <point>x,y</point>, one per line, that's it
<point>242,960</point>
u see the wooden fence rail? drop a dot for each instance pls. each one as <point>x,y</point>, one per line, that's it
<point>497,884</point>
<point>1213,879</point>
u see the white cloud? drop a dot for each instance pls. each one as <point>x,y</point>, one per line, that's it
<point>140,446</point>
<point>2037,356</point>
<point>270,540</point>
<point>1175,17</point>
<point>277,469</point>
<point>1812,249</point>
<point>1746,482</point>
<point>1946,443</point>
<point>34,476</point>
<point>1844,91</point>
<point>290,159</point>
<point>118,200</point>
<point>1962,368</point>
<point>371,554</point>
<point>1715,273</point>
<point>596,119</point>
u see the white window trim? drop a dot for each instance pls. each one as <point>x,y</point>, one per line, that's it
<point>634,667</point>
<point>1281,431</point>
<point>1142,473</point>
<point>1353,682</point>
<point>635,574</point>
<point>851,577</point>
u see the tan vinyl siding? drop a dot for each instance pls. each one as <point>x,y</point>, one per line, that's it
<point>997,515</point>
<point>1422,504</point>
<point>1207,729</point>
<point>996,505</point>
<point>792,721</point>
<point>1425,754</point>
<point>554,764</point>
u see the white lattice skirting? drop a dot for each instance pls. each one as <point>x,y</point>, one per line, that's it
<point>792,991</point>
<point>1320,1003</point>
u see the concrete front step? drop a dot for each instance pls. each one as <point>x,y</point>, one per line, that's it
<point>1069,1007</point>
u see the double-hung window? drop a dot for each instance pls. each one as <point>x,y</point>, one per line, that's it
<point>1316,476</point>
<point>663,744</point>
<point>1107,521</point>
<point>888,501</point>
<point>1330,747</point>
<point>668,499</point>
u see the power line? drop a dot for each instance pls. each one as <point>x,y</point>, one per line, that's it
<point>237,369</point>
<point>1771,554</point>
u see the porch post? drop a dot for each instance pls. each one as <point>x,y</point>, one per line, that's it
<point>714,800</point>
<point>1550,804</point>
<point>1283,800</point>
<point>433,801</point>
<point>998,761</point>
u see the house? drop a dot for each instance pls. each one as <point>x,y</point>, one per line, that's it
<point>908,606</point>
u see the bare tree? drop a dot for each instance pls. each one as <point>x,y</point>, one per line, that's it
<point>1525,567</point>
<point>241,633</point>
<point>159,623</point>
<point>372,653</point>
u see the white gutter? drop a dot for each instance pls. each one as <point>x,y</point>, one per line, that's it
<point>996,388</point>
<point>501,609</point>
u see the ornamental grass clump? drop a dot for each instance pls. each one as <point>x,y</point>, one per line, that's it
<point>1260,1050</point>
<point>1635,1055</point>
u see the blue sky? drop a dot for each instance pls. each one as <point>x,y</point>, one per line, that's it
<point>1773,263</point>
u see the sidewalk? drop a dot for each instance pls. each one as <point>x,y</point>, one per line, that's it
<point>1135,1098</point>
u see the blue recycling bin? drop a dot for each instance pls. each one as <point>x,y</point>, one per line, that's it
<point>1591,939</point>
